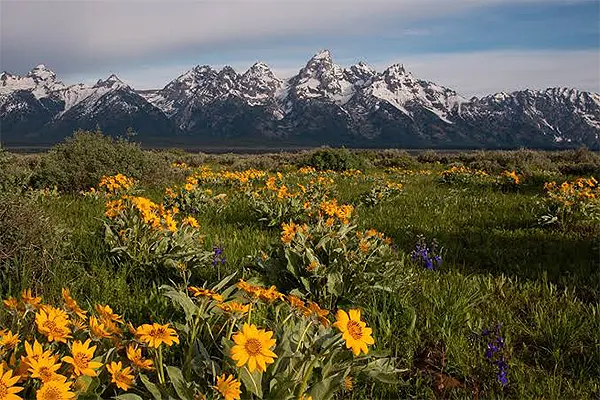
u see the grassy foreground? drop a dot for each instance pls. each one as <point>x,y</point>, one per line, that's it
<point>468,292</point>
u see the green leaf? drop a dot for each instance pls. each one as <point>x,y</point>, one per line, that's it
<point>326,388</point>
<point>252,381</point>
<point>182,300</point>
<point>334,283</point>
<point>224,282</point>
<point>128,396</point>
<point>152,388</point>
<point>383,370</point>
<point>180,385</point>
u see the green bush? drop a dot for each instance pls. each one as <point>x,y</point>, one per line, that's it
<point>14,172</point>
<point>393,158</point>
<point>80,162</point>
<point>334,159</point>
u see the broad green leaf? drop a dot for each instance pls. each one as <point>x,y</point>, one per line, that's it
<point>182,300</point>
<point>252,381</point>
<point>326,388</point>
<point>181,387</point>
<point>128,396</point>
<point>152,388</point>
<point>334,283</point>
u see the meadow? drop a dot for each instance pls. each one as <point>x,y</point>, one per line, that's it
<point>128,273</point>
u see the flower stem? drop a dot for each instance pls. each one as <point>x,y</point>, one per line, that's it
<point>302,337</point>
<point>306,378</point>
<point>159,369</point>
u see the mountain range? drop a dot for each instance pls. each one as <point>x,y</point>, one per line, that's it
<point>324,103</point>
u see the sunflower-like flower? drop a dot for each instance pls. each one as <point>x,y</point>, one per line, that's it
<point>289,231</point>
<point>57,389</point>
<point>354,331</point>
<point>252,290</point>
<point>135,356</point>
<point>191,221</point>
<point>44,368</point>
<point>11,304</point>
<point>271,294</point>
<point>297,304</point>
<point>364,246</point>
<point>82,358</point>
<point>122,377</point>
<point>29,299</point>
<point>107,313</point>
<point>319,313</point>
<point>36,352</point>
<point>8,389</point>
<point>154,335</point>
<point>253,348</point>
<point>233,307</point>
<point>53,325</point>
<point>98,329</point>
<point>201,292</point>
<point>9,340</point>
<point>72,304</point>
<point>229,387</point>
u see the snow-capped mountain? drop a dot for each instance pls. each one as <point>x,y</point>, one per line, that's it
<point>324,103</point>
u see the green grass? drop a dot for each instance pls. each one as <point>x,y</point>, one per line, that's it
<point>500,266</point>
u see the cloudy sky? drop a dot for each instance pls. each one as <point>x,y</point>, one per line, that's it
<point>474,46</point>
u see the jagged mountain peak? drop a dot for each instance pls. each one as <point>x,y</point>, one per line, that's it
<point>324,54</point>
<point>259,68</point>
<point>318,64</point>
<point>42,72</point>
<point>396,70</point>
<point>112,82</point>
<point>227,70</point>
<point>360,74</point>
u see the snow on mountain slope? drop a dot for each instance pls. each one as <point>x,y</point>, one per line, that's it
<point>322,79</point>
<point>40,81</point>
<point>399,88</point>
<point>324,100</point>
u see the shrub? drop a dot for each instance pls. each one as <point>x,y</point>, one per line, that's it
<point>14,172</point>
<point>80,162</point>
<point>394,158</point>
<point>334,159</point>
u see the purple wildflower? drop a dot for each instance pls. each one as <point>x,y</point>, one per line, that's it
<point>426,256</point>
<point>218,256</point>
<point>494,352</point>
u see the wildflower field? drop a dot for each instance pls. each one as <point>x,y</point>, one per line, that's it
<point>135,274</point>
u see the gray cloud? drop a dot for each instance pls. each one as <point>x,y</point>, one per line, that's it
<point>74,36</point>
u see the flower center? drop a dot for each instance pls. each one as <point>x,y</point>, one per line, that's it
<point>3,390</point>
<point>253,347</point>
<point>159,333</point>
<point>52,393</point>
<point>82,360</point>
<point>45,374</point>
<point>354,330</point>
<point>50,325</point>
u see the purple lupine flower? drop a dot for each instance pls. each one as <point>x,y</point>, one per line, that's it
<point>426,256</point>
<point>218,256</point>
<point>494,352</point>
<point>502,371</point>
